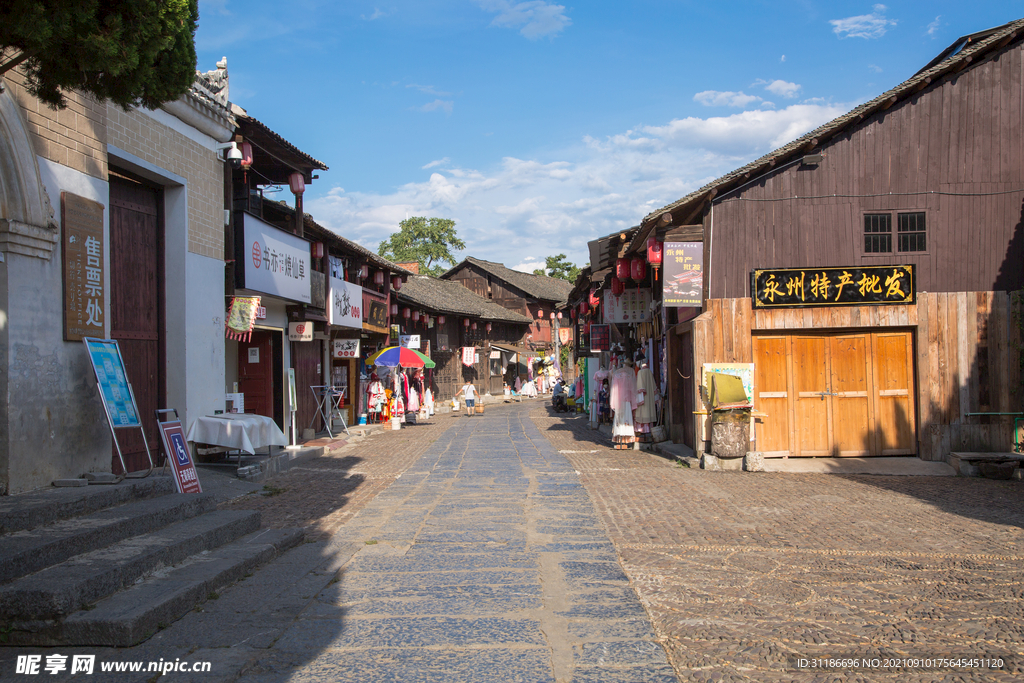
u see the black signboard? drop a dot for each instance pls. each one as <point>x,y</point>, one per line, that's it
<point>600,337</point>
<point>795,287</point>
<point>378,313</point>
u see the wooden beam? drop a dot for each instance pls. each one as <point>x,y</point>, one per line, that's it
<point>666,218</point>
<point>924,84</point>
<point>889,102</point>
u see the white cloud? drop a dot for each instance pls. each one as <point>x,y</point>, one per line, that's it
<point>865,26</point>
<point>779,87</point>
<point>444,105</point>
<point>534,18</point>
<point>529,265</point>
<point>782,58</point>
<point>377,14</point>
<point>714,98</point>
<point>874,67</point>
<point>523,209</point>
<point>933,27</point>
<point>428,90</point>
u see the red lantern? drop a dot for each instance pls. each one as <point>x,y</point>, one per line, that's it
<point>638,269</point>
<point>364,272</point>
<point>406,312</point>
<point>246,149</point>
<point>465,322</point>
<point>394,309</point>
<point>440,320</point>
<point>473,326</point>
<point>594,300</point>
<point>552,315</point>
<point>378,277</point>
<point>654,251</point>
<point>297,183</point>
<point>622,268</point>
<point>488,327</point>
<point>540,313</point>
<point>396,283</point>
<point>559,315</point>
<point>415,316</point>
<point>583,308</point>
<point>618,286</point>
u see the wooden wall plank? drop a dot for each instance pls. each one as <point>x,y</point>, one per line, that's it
<point>963,353</point>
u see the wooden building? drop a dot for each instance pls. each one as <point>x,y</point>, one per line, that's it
<point>929,175</point>
<point>449,317</point>
<point>536,296</point>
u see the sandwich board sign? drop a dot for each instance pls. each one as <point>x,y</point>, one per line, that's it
<point>186,478</point>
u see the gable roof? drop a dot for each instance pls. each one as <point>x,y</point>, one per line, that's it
<point>537,286</point>
<point>967,50</point>
<point>448,296</point>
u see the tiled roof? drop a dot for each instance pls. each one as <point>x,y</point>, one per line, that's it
<point>537,286</point>
<point>972,49</point>
<point>448,296</point>
<point>249,126</point>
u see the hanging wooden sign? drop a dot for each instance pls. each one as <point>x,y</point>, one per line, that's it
<point>857,286</point>
<point>84,301</point>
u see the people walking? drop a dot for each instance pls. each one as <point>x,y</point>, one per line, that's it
<point>468,392</point>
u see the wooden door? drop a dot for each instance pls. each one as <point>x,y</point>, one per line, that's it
<point>256,373</point>
<point>836,394</point>
<point>307,359</point>
<point>136,309</point>
<point>853,431</point>
<point>771,381</point>
<point>812,413</point>
<point>687,397</point>
<point>894,393</point>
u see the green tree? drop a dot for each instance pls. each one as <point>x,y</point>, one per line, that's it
<point>131,52</point>
<point>427,241</point>
<point>559,266</point>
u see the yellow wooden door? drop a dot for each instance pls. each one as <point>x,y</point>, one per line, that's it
<point>812,414</point>
<point>771,379</point>
<point>853,428</point>
<point>894,393</point>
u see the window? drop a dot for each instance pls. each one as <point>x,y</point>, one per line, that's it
<point>910,233</point>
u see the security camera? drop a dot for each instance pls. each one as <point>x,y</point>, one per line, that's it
<point>232,154</point>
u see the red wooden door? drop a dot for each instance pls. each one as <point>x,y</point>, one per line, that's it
<point>256,373</point>
<point>136,308</point>
<point>307,359</point>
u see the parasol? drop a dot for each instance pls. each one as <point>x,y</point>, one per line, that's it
<point>401,357</point>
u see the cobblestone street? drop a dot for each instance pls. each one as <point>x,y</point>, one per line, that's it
<point>743,574</point>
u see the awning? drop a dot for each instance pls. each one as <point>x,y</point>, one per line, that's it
<point>512,348</point>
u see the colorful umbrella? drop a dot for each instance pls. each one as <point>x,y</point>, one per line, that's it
<point>401,357</point>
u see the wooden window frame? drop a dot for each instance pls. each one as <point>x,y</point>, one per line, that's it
<point>893,234</point>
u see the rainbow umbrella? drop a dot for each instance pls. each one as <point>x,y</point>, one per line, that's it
<point>400,357</point>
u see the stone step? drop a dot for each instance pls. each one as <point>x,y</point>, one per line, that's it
<point>39,508</point>
<point>80,581</point>
<point>133,615</point>
<point>25,552</point>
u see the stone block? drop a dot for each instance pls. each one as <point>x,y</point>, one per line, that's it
<point>731,464</point>
<point>753,461</point>
<point>70,482</point>
<point>709,462</point>
<point>101,477</point>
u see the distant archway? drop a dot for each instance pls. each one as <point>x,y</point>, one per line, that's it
<point>27,224</point>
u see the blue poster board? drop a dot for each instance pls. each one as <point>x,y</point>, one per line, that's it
<point>113,382</point>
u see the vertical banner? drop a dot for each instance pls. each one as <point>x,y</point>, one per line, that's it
<point>185,476</point>
<point>684,274</point>
<point>84,270</point>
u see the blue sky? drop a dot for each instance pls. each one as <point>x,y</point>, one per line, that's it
<point>538,126</point>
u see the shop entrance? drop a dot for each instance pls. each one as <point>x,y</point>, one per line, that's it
<point>137,308</point>
<point>259,363</point>
<point>840,394</point>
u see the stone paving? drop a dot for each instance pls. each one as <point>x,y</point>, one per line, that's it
<point>519,546</point>
<point>744,574</point>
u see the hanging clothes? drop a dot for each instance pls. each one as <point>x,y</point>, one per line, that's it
<point>623,400</point>
<point>647,394</point>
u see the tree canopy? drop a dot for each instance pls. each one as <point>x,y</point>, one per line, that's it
<point>426,241</point>
<point>560,267</point>
<point>132,52</point>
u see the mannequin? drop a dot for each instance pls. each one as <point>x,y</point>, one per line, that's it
<point>623,400</point>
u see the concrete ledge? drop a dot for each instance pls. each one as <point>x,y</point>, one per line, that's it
<point>905,466</point>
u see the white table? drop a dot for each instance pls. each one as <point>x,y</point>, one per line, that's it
<point>238,431</point>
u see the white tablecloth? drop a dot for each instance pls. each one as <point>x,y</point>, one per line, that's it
<point>241,431</point>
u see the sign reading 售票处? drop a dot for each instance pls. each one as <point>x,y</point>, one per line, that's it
<point>82,225</point>
<point>789,287</point>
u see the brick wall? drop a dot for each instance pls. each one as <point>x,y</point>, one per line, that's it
<point>74,137</point>
<point>137,133</point>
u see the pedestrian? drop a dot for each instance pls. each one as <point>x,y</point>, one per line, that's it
<point>468,391</point>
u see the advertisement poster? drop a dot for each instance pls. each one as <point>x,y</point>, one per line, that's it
<point>346,348</point>
<point>600,338</point>
<point>112,382</point>
<point>684,274</point>
<point>632,306</point>
<point>409,341</point>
